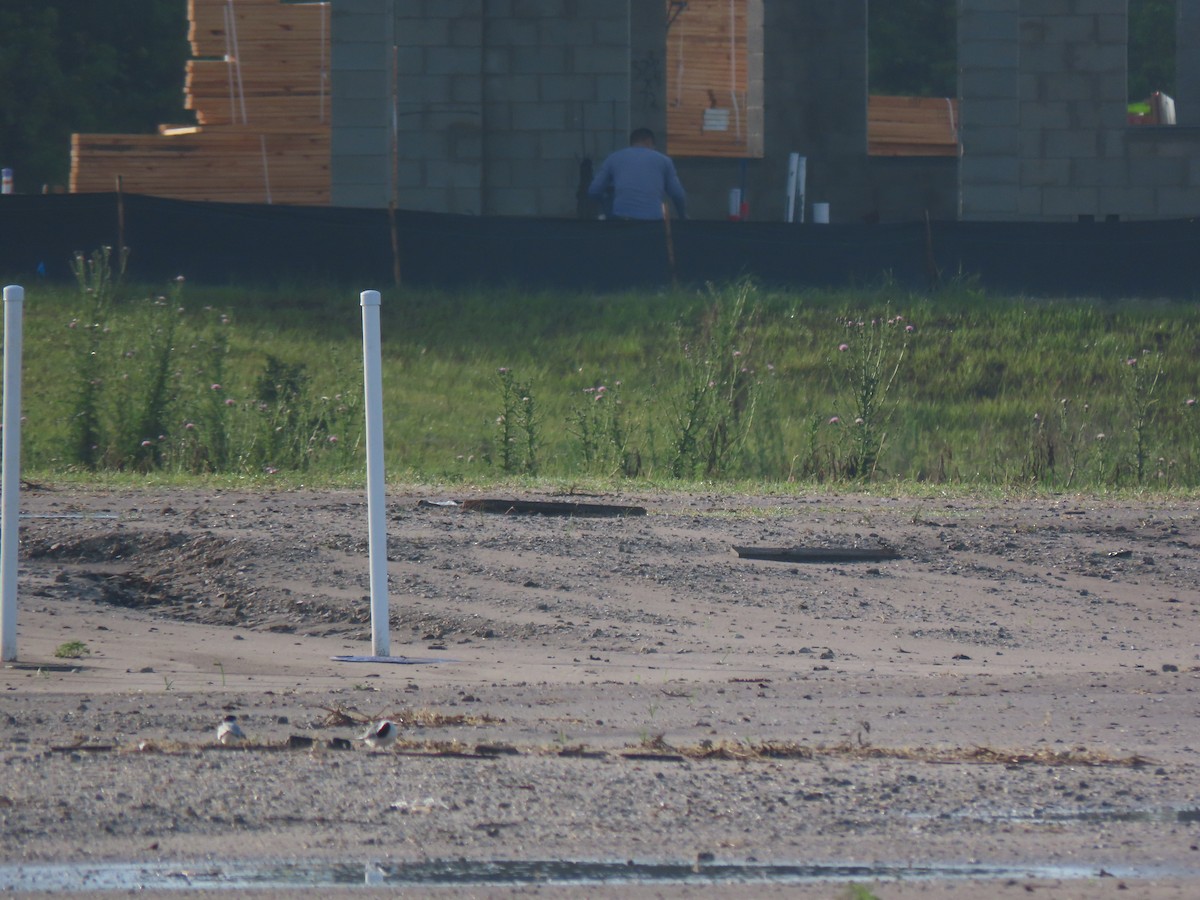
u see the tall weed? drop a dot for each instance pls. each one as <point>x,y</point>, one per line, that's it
<point>868,363</point>
<point>717,389</point>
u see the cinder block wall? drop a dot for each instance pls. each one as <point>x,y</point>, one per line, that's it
<point>361,97</point>
<point>496,101</point>
<point>815,104</point>
<point>1043,89</point>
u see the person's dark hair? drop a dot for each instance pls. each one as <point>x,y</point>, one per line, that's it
<point>641,136</point>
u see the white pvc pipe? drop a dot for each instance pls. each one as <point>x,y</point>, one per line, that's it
<point>796,177</point>
<point>10,504</point>
<point>376,500</point>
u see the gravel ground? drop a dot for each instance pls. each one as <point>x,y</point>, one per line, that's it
<point>994,698</point>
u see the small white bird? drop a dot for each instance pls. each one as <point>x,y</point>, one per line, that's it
<point>382,734</point>
<point>229,731</point>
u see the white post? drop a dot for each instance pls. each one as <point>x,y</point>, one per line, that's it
<point>376,501</point>
<point>801,185</point>
<point>10,504</point>
<point>797,175</point>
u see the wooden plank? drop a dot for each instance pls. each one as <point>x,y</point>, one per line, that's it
<point>912,126</point>
<point>226,167</point>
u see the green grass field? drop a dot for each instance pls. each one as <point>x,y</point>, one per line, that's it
<point>732,384</point>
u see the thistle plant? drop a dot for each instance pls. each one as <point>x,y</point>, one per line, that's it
<point>1191,415</point>
<point>157,391</point>
<point>597,422</point>
<point>867,364</point>
<point>1139,385</point>
<point>1055,444</point>
<point>153,392</point>
<point>284,423</point>
<point>719,395</point>
<point>97,285</point>
<point>517,425</point>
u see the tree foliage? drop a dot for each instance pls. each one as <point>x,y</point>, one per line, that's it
<point>1151,47</point>
<point>83,65</point>
<point>913,47</point>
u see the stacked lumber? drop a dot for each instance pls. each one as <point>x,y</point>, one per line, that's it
<point>912,126</point>
<point>234,164</point>
<point>258,62</point>
<point>259,88</point>
<point>707,81</point>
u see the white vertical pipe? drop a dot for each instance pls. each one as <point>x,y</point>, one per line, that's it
<point>376,501</point>
<point>796,178</point>
<point>802,184</point>
<point>10,504</point>
<point>789,200</point>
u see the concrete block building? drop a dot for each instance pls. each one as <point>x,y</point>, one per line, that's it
<point>494,107</point>
<point>499,107</point>
<point>1044,133</point>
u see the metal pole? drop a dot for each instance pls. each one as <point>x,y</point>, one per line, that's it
<point>376,501</point>
<point>10,504</point>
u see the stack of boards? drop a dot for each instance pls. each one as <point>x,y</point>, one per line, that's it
<point>912,126</point>
<point>258,84</point>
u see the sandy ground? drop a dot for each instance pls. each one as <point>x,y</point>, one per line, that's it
<point>1007,706</point>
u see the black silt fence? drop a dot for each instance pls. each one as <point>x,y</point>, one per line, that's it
<point>223,243</point>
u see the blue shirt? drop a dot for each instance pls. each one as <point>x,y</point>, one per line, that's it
<point>639,179</point>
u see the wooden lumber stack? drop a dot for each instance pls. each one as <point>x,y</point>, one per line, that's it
<point>912,126</point>
<point>259,87</point>
<point>267,63</point>
<point>707,71</point>
<point>233,164</point>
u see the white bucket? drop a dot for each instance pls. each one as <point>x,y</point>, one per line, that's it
<point>820,213</point>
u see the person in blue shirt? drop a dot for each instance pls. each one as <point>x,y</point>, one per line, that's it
<point>638,178</point>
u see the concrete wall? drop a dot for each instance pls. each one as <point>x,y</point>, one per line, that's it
<point>1043,109</point>
<point>498,104</point>
<point>361,97</point>
<point>497,101</point>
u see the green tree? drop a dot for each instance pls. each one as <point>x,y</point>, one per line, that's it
<point>913,47</point>
<point>1151,47</point>
<point>82,65</point>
